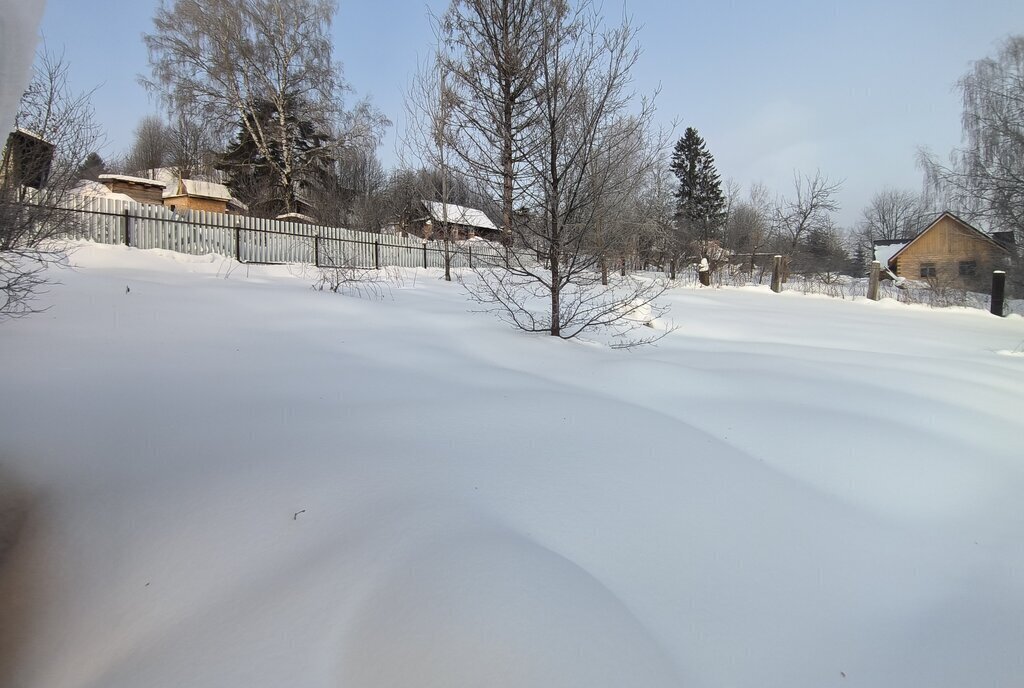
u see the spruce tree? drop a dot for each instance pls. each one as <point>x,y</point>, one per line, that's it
<point>92,167</point>
<point>275,177</point>
<point>700,206</point>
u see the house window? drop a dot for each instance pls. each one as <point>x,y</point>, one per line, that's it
<point>968,268</point>
<point>927,270</point>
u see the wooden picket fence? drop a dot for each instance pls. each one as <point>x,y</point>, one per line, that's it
<point>259,240</point>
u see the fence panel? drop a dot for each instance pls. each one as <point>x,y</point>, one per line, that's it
<point>260,240</point>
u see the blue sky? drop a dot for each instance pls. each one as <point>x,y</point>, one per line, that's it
<point>853,88</point>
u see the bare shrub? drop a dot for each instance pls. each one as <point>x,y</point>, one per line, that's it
<point>367,283</point>
<point>57,132</point>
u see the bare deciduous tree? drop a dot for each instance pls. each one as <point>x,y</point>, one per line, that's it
<point>151,146</point>
<point>491,53</point>
<point>748,230</point>
<point>428,106</point>
<point>59,131</point>
<point>892,214</point>
<point>586,121</point>
<point>810,207</point>
<point>262,67</point>
<point>984,179</point>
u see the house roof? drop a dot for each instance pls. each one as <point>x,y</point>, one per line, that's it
<point>885,250</point>
<point>31,134</point>
<point>296,217</point>
<point>962,223</point>
<point>458,215</point>
<point>132,180</point>
<point>87,187</point>
<point>200,189</point>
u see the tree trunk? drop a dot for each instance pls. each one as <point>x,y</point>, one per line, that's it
<point>556,324</point>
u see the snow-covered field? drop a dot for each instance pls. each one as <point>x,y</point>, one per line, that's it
<point>223,479</point>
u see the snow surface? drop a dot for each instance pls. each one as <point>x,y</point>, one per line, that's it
<point>214,476</point>
<point>87,187</point>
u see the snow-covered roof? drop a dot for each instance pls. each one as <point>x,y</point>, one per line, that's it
<point>458,215</point>
<point>200,189</point>
<point>131,180</point>
<point>885,252</point>
<point>87,187</point>
<point>296,217</point>
<point>31,134</point>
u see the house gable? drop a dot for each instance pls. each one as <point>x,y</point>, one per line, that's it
<point>947,248</point>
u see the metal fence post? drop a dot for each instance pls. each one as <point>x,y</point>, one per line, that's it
<point>424,254</point>
<point>127,228</point>
<point>376,254</point>
<point>316,251</point>
<point>998,292</point>
<point>238,243</point>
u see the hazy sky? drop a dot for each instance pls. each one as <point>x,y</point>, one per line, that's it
<point>853,88</point>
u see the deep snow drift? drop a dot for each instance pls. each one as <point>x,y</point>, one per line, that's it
<point>213,476</point>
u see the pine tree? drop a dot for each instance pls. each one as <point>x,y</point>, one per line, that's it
<point>92,167</point>
<point>700,206</point>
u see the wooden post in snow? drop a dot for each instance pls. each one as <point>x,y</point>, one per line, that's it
<point>777,274</point>
<point>876,270</point>
<point>998,292</point>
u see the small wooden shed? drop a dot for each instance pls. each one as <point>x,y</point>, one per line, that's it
<point>950,251</point>
<point>192,194</point>
<point>139,189</point>
<point>26,159</point>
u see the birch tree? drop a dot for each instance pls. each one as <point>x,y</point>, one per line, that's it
<point>261,68</point>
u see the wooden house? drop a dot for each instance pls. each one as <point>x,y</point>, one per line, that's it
<point>464,223</point>
<point>949,251</point>
<point>192,194</point>
<point>139,189</point>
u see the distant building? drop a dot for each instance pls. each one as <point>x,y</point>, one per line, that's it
<point>949,250</point>
<point>139,189</point>
<point>192,194</point>
<point>464,223</point>
<point>26,161</point>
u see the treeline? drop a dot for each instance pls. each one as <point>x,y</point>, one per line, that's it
<point>524,109</point>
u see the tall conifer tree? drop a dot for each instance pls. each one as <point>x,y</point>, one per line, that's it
<point>700,206</point>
